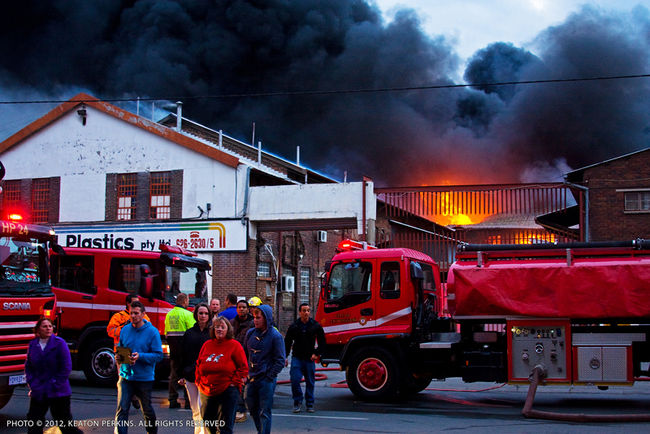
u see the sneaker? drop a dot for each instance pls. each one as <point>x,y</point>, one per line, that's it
<point>174,404</point>
<point>296,408</point>
<point>240,417</point>
<point>310,409</point>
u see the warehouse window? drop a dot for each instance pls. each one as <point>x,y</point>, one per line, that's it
<point>127,190</point>
<point>11,196</point>
<point>637,201</point>
<point>160,195</point>
<point>40,200</point>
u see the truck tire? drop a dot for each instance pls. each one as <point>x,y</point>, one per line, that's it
<point>5,395</point>
<point>99,363</point>
<point>415,384</point>
<point>373,374</point>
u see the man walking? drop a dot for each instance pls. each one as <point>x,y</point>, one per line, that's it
<point>303,334</point>
<point>265,350</point>
<point>142,341</point>
<point>177,321</point>
<point>119,320</point>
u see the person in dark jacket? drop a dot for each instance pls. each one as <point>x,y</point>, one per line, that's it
<point>264,347</point>
<point>47,370</point>
<point>240,324</point>
<point>193,340</point>
<point>303,335</point>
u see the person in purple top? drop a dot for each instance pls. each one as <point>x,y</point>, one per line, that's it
<point>47,369</point>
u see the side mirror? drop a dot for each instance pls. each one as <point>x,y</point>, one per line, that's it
<point>146,282</point>
<point>56,248</point>
<point>416,271</point>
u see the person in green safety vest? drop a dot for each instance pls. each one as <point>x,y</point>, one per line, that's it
<point>177,321</point>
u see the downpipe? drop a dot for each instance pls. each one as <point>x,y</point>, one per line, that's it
<point>538,374</point>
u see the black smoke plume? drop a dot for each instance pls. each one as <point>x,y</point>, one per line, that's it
<point>193,49</point>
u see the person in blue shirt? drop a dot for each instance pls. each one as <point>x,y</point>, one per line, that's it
<point>231,307</point>
<point>137,372</point>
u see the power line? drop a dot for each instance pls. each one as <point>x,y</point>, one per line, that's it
<point>340,91</point>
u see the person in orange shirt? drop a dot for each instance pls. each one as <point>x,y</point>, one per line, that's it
<point>120,319</point>
<point>220,372</point>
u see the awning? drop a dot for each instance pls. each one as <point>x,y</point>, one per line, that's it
<point>562,222</point>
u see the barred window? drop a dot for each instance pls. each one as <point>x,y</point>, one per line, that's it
<point>40,200</point>
<point>305,274</point>
<point>127,189</point>
<point>160,195</point>
<point>264,269</point>
<point>10,196</point>
<point>637,201</point>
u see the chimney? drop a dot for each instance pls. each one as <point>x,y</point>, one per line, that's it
<point>179,115</point>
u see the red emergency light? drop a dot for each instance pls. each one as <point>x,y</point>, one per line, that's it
<point>349,245</point>
<point>176,249</point>
<point>15,217</point>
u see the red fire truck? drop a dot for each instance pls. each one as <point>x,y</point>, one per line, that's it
<point>579,313</point>
<point>91,285</point>
<point>25,296</point>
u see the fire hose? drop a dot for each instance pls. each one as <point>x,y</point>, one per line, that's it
<point>537,375</point>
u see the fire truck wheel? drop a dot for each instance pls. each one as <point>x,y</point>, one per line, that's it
<point>373,374</point>
<point>99,363</point>
<point>416,383</point>
<point>5,395</point>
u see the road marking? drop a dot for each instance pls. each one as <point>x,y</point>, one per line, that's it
<point>320,417</point>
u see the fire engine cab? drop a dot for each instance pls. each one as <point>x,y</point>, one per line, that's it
<point>91,285</point>
<point>25,296</point>
<point>580,313</point>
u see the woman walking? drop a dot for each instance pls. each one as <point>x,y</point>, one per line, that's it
<point>193,340</point>
<point>47,369</point>
<point>220,372</point>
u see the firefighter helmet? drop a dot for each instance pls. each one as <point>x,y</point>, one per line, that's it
<point>254,301</point>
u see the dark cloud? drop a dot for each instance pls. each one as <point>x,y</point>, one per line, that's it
<point>171,49</point>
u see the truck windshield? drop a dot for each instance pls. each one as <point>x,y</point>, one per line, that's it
<point>349,278</point>
<point>23,268</point>
<point>189,280</point>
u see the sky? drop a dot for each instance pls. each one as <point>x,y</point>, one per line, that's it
<point>471,23</point>
<point>213,56</point>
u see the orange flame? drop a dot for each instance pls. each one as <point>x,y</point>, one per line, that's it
<point>448,212</point>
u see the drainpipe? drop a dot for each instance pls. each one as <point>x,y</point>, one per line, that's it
<point>586,190</point>
<point>247,187</point>
<point>363,208</point>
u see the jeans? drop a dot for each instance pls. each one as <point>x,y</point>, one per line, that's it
<point>60,409</point>
<point>195,405</point>
<point>126,390</point>
<point>302,368</point>
<point>218,411</point>
<point>259,399</point>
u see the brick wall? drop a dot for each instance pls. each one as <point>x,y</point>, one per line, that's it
<point>236,272</point>
<point>607,219</point>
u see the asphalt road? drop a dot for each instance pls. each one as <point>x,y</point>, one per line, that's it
<point>445,406</point>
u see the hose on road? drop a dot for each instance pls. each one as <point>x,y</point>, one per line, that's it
<point>539,374</point>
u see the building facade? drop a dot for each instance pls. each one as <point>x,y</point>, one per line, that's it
<point>107,178</point>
